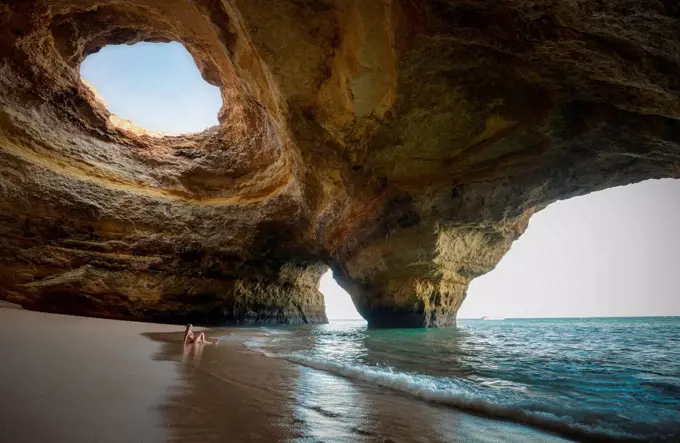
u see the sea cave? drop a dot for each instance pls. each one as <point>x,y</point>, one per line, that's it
<point>404,145</point>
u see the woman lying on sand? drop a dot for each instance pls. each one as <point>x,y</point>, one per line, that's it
<point>190,337</point>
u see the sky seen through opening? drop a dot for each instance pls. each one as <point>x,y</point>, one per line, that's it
<point>610,253</point>
<point>155,85</point>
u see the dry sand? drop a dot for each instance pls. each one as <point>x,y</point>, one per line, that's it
<point>75,379</point>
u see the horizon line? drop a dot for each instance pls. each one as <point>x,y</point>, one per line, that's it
<point>582,316</point>
<point>538,318</point>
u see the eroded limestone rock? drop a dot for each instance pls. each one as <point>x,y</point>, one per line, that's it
<point>403,143</point>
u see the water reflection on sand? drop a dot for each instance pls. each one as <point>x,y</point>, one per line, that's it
<point>229,394</point>
<point>75,379</point>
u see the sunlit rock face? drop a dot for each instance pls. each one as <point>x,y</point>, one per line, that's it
<point>405,144</point>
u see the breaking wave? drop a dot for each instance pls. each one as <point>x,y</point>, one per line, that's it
<point>548,374</point>
<point>458,395</point>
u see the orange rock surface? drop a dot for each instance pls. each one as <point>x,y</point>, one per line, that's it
<point>405,144</point>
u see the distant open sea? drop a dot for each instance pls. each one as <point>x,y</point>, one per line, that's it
<point>591,378</point>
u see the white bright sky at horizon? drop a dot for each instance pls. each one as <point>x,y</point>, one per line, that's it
<point>610,253</point>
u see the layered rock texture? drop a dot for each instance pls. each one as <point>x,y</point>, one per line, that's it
<point>403,143</point>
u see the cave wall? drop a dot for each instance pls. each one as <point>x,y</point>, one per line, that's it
<point>405,144</point>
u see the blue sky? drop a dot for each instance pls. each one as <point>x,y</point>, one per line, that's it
<point>610,253</point>
<point>156,85</point>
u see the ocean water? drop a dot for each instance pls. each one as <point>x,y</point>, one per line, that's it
<point>586,379</point>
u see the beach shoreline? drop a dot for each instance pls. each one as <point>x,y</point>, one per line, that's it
<point>78,379</point>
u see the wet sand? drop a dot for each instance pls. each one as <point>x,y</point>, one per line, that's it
<point>75,379</point>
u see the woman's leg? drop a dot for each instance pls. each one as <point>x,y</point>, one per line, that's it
<point>200,338</point>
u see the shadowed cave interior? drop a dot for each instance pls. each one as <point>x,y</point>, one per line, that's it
<point>405,146</point>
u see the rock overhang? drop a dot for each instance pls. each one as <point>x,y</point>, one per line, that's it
<point>406,144</point>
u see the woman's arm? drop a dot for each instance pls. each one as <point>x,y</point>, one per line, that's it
<point>186,335</point>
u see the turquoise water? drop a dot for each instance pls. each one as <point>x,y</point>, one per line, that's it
<point>595,378</point>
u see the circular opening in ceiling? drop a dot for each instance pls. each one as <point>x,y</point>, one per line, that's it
<point>155,87</point>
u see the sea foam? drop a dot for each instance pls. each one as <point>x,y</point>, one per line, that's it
<point>456,395</point>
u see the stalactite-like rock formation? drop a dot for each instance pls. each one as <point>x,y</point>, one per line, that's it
<point>403,143</point>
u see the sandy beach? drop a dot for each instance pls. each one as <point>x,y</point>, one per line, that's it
<point>76,379</point>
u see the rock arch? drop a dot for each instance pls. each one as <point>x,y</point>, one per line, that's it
<point>405,144</point>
